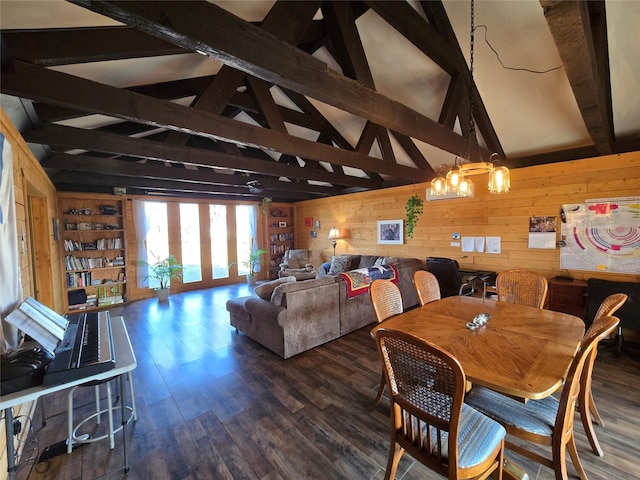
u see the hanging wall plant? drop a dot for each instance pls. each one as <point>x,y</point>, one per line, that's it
<point>414,209</point>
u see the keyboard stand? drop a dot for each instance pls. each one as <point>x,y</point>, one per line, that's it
<point>125,362</point>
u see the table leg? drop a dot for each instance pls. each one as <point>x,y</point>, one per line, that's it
<point>11,454</point>
<point>123,410</point>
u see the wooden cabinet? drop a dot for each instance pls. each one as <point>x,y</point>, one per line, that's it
<point>280,233</point>
<point>568,296</point>
<point>93,244</point>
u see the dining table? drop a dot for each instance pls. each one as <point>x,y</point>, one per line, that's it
<point>520,351</point>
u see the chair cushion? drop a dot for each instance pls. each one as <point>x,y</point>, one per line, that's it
<point>339,264</point>
<point>265,290</point>
<point>478,436</point>
<point>535,416</point>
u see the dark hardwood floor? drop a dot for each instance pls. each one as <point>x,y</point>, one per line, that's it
<point>216,405</point>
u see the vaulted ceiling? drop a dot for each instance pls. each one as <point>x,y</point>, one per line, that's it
<point>306,99</point>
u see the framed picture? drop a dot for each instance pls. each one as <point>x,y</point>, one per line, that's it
<point>308,221</point>
<point>317,224</point>
<point>282,224</point>
<point>390,232</point>
<point>314,234</point>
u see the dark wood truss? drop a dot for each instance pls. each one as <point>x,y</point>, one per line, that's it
<point>203,150</point>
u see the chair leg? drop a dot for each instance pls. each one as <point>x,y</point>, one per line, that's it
<point>395,454</point>
<point>380,389</point>
<point>70,420</point>
<point>573,452</point>
<point>134,412</point>
<point>594,411</point>
<point>585,416</point>
<point>112,443</point>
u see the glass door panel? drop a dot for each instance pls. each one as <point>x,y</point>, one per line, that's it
<point>190,239</point>
<point>218,232</point>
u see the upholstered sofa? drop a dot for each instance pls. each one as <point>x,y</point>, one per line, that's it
<point>299,315</point>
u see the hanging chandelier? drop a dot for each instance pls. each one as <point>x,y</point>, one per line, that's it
<point>457,178</point>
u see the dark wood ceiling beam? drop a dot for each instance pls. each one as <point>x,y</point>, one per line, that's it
<point>93,140</point>
<point>310,110</point>
<point>346,41</point>
<point>158,171</point>
<point>412,150</point>
<point>37,83</point>
<point>402,17</point>
<point>384,142</point>
<point>64,46</point>
<point>259,90</point>
<point>367,137</point>
<point>570,25</point>
<point>229,39</point>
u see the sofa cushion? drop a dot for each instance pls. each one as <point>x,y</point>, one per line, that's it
<point>339,264</point>
<point>265,290</point>
<point>390,260</point>
<point>366,261</point>
<point>279,294</point>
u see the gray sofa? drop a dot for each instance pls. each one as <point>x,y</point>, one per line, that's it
<point>301,315</point>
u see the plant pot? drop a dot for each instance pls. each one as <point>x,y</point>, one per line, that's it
<point>251,279</point>
<point>162,294</point>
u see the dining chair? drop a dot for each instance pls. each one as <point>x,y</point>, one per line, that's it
<point>525,287</point>
<point>427,286</point>
<point>387,302</point>
<point>548,421</point>
<point>428,415</point>
<point>585,405</point>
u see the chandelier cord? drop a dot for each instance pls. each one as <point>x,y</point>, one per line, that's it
<point>472,127</point>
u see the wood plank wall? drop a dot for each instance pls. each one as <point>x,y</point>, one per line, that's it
<point>31,180</point>
<point>535,191</point>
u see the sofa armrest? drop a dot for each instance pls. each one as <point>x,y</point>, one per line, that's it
<point>260,309</point>
<point>281,291</point>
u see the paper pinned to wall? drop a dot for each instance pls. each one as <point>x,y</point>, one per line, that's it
<point>467,244</point>
<point>493,244</point>
<point>473,244</point>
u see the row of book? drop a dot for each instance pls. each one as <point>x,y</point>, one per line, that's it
<point>78,279</point>
<point>100,244</point>
<point>83,263</point>
<point>280,237</point>
<point>279,249</point>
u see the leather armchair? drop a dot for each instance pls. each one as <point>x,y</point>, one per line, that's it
<point>295,263</point>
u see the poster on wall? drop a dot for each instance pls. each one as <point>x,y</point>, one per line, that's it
<point>601,236</point>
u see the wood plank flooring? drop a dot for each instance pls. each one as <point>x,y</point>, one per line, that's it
<point>216,405</point>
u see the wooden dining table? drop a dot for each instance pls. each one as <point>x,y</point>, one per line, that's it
<point>521,351</point>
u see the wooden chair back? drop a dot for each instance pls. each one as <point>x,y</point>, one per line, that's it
<point>427,286</point>
<point>522,286</point>
<point>427,388</point>
<point>586,405</point>
<point>386,299</point>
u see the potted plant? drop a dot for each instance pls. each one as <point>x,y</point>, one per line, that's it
<point>252,263</point>
<point>414,209</point>
<point>163,271</point>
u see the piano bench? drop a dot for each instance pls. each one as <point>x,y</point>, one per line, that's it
<point>73,437</point>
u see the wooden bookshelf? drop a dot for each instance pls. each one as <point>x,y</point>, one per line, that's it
<point>280,233</point>
<point>93,250</point>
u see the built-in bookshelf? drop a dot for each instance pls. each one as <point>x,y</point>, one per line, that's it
<point>280,231</point>
<point>93,244</point>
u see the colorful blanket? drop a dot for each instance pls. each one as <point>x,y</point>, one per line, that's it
<point>358,280</point>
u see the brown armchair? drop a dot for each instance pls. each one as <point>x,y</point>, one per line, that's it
<point>295,263</point>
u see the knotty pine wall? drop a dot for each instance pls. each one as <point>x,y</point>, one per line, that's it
<point>31,180</point>
<point>535,191</point>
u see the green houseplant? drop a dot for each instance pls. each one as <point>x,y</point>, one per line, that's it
<point>162,270</point>
<point>414,207</point>
<point>252,263</point>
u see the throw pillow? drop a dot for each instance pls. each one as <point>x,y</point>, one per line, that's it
<point>339,264</point>
<point>378,262</point>
<point>264,290</point>
<point>390,260</point>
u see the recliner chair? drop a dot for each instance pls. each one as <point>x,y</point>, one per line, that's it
<point>451,282</point>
